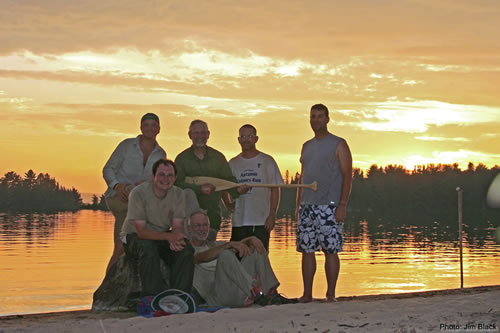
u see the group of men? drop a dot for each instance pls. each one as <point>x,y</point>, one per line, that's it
<point>157,216</point>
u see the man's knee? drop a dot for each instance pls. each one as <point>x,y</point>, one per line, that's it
<point>225,256</point>
<point>332,257</point>
<point>308,257</point>
<point>261,256</point>
<point>145,249</point>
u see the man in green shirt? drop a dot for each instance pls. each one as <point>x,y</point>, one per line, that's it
<point>202,160</point>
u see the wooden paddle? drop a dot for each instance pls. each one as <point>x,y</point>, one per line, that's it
<point>222,184</point>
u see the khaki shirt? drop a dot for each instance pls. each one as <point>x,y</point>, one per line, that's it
<point>158,213</point>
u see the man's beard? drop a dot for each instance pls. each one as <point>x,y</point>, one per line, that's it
<point>200,145</point>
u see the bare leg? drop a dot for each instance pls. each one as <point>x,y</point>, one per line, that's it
<point>308,271</point>
<point>332,268</point>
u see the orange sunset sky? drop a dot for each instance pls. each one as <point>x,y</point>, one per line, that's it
<point>407,81</point>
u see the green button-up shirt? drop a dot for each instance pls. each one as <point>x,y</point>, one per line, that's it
<point>213,164</point>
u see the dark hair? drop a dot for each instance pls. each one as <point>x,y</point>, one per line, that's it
<point>249,126</point>
<point>164,162</point>
<point>320,107</point>
<point>150,116</point>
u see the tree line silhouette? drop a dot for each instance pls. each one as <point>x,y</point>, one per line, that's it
<point>98,203</point>
<point>421,196</point>
<point>37,193</point>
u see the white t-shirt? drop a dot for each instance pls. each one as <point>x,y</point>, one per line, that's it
<point>252,208</point>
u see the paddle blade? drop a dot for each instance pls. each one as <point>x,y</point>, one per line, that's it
<point>220,184</point>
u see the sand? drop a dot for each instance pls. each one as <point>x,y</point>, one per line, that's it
<point>470,309</point>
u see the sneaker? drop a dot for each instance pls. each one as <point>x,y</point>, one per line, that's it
<point>261,299</point>
<point>278,299</point>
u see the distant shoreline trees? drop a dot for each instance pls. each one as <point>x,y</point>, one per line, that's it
<point>392,192</point>
<point>36,193</point>
<point>98,203</point>
<point>428,192</point>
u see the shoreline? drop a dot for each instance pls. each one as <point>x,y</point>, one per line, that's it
<point>282,312</point>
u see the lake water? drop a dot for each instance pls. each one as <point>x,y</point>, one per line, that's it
<point>54,262</point>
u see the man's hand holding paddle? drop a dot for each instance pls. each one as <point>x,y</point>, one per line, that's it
<point>242,189</point>
<point>207,189</point>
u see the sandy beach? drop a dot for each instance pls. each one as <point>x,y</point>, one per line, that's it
<point>457,310</point>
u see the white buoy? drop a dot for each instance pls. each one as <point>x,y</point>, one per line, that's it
<point>493,196</point>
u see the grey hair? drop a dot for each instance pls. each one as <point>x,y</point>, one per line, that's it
<point>198,211</point>
<point>197,121</point>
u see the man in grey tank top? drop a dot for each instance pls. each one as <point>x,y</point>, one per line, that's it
<point>320,215</point>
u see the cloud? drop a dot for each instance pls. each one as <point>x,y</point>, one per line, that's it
<point>462,157</point>
<point>111,120</point>
<point>417,116</point>
<point>250,76</point>
<point>297,29</point>
<point>437,138</point>
<point>215,74</point>
<point>465,6</point>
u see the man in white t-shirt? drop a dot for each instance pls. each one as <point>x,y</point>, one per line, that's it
<point>255,211</point>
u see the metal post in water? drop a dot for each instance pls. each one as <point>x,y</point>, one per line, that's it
<point>460,220</point>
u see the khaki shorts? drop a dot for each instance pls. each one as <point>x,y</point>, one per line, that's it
<point>119,210</point>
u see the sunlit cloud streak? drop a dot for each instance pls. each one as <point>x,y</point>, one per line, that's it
<point>417,116</point>
<point>277,28</point>
<point>250,76</point>
<point>435,138</point>
<point>461,157</point>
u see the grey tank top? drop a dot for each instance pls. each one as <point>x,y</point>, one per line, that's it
<point>320,164</point>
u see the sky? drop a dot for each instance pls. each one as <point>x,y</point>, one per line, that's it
<point>407,82</point>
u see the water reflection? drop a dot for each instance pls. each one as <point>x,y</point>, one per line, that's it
<point>33,229</point>
<point>51,262</point>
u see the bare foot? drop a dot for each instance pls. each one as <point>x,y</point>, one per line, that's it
<point>305,299</point>
<point>330,299</point>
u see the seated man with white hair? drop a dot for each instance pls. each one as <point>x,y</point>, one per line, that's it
<point>222,279</point>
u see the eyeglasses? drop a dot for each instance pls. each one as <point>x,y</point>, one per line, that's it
<point>200,226</point>
<point>168,175</point>
<point>250,136</point>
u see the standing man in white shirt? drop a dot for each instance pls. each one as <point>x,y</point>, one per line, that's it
<point>130,164</point>
<point>254,212</point>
